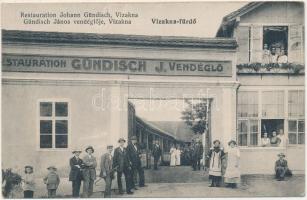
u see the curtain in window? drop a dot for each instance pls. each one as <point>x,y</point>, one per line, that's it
<point>296,103</point>
<point>273,104</point>
<point>247,104</point>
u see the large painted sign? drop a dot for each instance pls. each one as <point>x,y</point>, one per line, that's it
<point>105,65</point>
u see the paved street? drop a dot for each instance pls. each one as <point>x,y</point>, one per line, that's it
<point>197,185</point>
<point>183,182</point>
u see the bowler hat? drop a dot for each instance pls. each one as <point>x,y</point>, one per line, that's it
<point>109,146</point>
<point>121,139</point>
<point>75,151</point>
<point>89,147</point>
<point>52,167</point>
<point>133,138</point>
<point>281,155</point>
<point>232,141</point>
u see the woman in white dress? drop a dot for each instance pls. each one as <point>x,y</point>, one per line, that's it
<point>232,174</point>
<point>178,154</point>
<point>173,156</point>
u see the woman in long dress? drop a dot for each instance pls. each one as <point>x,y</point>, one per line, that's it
<point>215,171</point>
<point>173,156</point>
<point>232,174</point>
<point>178,154</point>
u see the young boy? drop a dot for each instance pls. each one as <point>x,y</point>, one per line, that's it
<point>52,180</point>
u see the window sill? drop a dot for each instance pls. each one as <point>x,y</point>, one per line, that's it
<point>260,147</point>
<point>271,148</point>
<point>54,150</point>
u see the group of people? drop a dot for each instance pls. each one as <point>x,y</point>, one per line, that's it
<point>189,155</point>
<point>175,155</point>
<point>128,161</point>
<point>125,161</point>
<point>275,140</point>
<point>274,54</point>
<point>230,169</point>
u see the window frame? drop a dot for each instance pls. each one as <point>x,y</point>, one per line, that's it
<point>53,118</point>
<point>277,25</point>
<point>295,118</point>
<point>285,117</point>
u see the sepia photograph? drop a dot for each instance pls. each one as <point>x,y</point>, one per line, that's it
<point>165,99</point>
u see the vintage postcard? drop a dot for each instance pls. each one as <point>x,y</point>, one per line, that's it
<point>153,99</point>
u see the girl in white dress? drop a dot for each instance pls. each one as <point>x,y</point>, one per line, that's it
<point>173,156</point>
<point>178,154</point>
<point>232,174</point>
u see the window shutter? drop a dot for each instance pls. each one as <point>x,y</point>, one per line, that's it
<point>243,44</point>
<point>295,44</point>
<point>256,54</point>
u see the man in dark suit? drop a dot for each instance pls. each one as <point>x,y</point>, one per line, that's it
<point>197,155</point>
<point>106,170</point>
<point>134,154</point>
<point>156,152</point>
<point>75,175</point>
<point>123,165</point>
<point>281,168</point>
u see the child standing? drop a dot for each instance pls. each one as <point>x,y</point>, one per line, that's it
<point>28,182</point>
<point>52,180</point>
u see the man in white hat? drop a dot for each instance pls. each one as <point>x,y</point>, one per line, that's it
<point>75,175</point>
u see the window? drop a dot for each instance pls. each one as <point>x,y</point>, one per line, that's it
<point>247,104</point>
<point>296,114</point>
<point>270,125</point>
<point>53,125</point>
<point>248,132</point>
<point>273,104</point>
<point>276,39</point>
<point>296,130</point>
<point>296,104</point>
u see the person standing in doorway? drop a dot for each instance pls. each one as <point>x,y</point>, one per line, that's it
<point>215,169</point>
<point>198,154</point>
<point>75,175</point>
<point>106,170</point>
<point>156,152</point>
<point>134,154</point>
<point>178,155</point>
<point>123,165</point>
<point>173,156</point>
<point>89,172</point>
<point>232,174</point>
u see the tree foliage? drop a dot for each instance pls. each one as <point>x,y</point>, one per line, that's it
<point>195,115</point>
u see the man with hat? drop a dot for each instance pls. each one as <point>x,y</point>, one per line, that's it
<point>75,175</point>
<point>156,152</point>
<point>134,155</point>
<point>89,172</point>
<point>281,168</point>
<point>106,170</point>
<point>123,165</point>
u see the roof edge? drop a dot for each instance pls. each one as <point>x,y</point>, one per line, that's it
<point>22,36</point>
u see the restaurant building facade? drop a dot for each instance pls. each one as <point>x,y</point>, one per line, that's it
<point>62,91</point>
